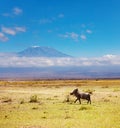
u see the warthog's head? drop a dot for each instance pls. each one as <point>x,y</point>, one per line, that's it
<point>74,91</point>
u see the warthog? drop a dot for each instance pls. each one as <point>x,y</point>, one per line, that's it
<point>79,96</point>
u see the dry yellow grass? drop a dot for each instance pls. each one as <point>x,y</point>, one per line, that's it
<point>51,109</point>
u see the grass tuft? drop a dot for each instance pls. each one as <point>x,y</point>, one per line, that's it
<point>22,101</point>
<point>83,108</point>
<point>6,100</point>
<point>33,99</point>
<point>90,91</point>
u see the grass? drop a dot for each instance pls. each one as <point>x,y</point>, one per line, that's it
<point>51,108</point>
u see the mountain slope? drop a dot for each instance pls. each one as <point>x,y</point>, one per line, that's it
<point>37,51</point>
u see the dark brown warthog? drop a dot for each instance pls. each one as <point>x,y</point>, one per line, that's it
<point>79,96</point>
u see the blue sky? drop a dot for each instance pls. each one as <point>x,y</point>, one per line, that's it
<point>81,28</point>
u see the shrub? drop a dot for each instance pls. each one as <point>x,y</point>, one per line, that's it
<point>67,98</point>
<point>33,98</point>
<point>35,108</point>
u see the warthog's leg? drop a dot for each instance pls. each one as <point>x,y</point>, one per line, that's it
<point>77,99</point>
<point>89,101</point>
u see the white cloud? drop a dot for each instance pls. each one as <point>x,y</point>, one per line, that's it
<point>89,31</point>
<point>110,59</point>
<point>83,37</point>
<point>83,34</point>
<point>109,56</point>
<point>13,30</point>
<point>20,29</point>
<point>3,37</point>
<point>9,31</point>
<point>14,12</point>
<point>17,11</point>
<point>51,19</point>
<point>74,36</point>
<point>13,61</point>
<point>71,35</point>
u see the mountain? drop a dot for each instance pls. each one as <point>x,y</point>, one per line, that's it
<point>37,51</point>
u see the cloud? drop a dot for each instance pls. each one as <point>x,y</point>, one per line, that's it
<point>14,61</point>
<point>109,56</point>
<point>74,36</point>
<point>20,29</point>
<point>83,37</point>
<point>71,35</point>
<point>9,31</point>
<point>110,59</point>
<point>13,31</point>
<point>3,38</point>
<point>17,11</point>
<point>51,19</point>
<point>89,31</point>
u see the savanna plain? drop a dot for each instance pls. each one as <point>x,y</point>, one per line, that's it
<point>47,104</point>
